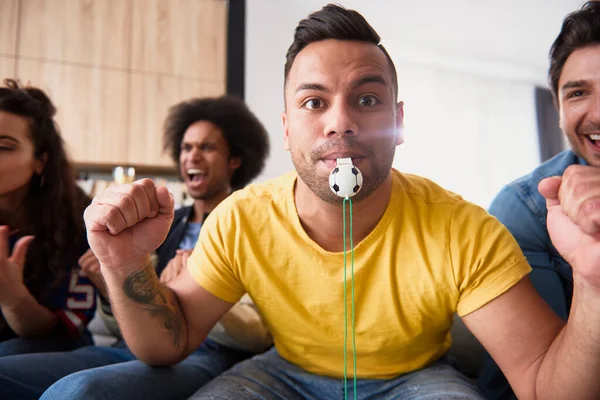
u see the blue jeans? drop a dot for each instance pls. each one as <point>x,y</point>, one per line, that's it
<point>97,372</point>
<point>19,345</point>
<point>268,376</point>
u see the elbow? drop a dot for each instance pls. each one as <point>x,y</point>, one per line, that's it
<point>162,358</point>
<point>158,353</point>
<point>158,360</point>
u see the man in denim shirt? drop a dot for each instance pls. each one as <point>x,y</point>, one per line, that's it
<point>575,82</point>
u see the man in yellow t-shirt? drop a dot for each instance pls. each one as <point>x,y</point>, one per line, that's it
<point>430,254</point>
<point>421,255</point>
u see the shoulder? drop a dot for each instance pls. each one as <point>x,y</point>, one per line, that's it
<point>552,167</point>
<point>421,189</point>
<point>259,197</point>
<point>524,190</point>
<point>419,198</point>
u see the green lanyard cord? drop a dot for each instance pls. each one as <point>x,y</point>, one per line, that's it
<point>346,304</point>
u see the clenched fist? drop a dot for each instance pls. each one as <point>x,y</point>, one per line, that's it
<point>573,202</point>
<point>127,222</point>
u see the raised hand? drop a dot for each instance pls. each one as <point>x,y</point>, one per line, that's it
<point>12,288</point>
<point>127,222</point>
<point>91,267</point>
<point>573,202</point>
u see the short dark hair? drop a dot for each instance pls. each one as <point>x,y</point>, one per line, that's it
<point>335,22</point>
<point>580,29</point>
<point>245,135</point>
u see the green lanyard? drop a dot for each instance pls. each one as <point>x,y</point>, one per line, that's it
<point>347,199</point>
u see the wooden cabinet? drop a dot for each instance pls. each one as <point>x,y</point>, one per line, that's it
<point>9,11</point>
<point>7,68</point>
<point>185,38</point>
<point>114,67</point>
<point>151,97</point>
<point>88,32</point>
<point>92,107</point>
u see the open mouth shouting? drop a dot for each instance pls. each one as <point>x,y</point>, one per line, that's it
<point>195,177</point>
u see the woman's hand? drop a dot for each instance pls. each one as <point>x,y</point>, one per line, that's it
<point>12,288</point>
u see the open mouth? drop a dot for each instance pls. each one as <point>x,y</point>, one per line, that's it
<point>594,139</point>
<point>195,175</point>
<point>332,162</point>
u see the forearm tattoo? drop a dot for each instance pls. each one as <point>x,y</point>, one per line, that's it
<point>144,288</point>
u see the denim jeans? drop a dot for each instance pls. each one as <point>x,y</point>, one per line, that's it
<point>97,372</point>
<point>268,376</point>
<point>18,345</point>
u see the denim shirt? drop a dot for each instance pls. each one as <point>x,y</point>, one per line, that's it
<point>522,209</point>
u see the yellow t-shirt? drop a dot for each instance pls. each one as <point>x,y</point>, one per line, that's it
<point>431,254</point>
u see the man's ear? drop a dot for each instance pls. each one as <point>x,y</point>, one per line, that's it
<point>286,143</point>
<point>400,123</point>
<point>234,163</point>
<point>559,109</point>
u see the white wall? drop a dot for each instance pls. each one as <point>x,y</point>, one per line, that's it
<point>466,70</point>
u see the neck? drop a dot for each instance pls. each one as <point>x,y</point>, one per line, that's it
<point>204,206</point>
<point>323,221</point>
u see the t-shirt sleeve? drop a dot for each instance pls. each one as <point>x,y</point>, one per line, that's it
<point>485,257</point>
<point>526,223</point>
<point>211,263</point>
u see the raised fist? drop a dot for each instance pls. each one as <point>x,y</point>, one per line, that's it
<point>127,222</point>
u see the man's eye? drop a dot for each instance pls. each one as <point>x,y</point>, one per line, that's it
<point>368,101</point>
<point>576,93</point>
<point>313,104</point>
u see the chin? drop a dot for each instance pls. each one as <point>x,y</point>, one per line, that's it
<point>197,195</point>
<point>594,160</point>
<point>591,157</point>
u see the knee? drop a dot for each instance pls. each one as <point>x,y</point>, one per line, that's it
<point>78,386</point>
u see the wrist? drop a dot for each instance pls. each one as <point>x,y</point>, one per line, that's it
<point>126,268</point>
<point>586,299</point>
<point>115,277</point>
<point>584,286</point>
<point>19,297</point>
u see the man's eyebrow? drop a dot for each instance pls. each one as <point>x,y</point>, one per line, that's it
<point>370,79</point>
<point>311,86</point>
<point>362,81</point>
<point>198,142</point>
<point>573,84</point>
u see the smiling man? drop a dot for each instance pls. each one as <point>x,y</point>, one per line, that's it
<point>422,253</point>
<point>575,83</point>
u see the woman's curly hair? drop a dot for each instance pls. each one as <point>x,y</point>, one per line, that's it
<point>54,204</point>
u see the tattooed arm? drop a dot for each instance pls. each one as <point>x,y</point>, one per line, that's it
<point>162,325</point>
<point>160,302</point>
